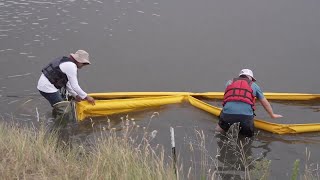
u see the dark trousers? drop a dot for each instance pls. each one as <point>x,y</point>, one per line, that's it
<point>53,98</point>
<point>246,123</point>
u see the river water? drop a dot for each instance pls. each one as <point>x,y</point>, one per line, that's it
<point>164,45</point>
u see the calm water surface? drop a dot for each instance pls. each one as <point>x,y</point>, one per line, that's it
<point>165,45</point>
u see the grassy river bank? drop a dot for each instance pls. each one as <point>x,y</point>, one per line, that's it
<point>30,153</point>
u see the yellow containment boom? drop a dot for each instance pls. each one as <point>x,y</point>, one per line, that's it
<point>106,104</point>
<point>260,124</point>
<point>114,106</point>
<point>210,95</point>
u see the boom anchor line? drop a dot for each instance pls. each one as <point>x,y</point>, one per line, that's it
<point>123,102</point>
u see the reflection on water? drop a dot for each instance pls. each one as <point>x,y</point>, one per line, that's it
<point>35,23</point>
<point>235,156</point>
<point>26,18</point>
<point>304,138</point>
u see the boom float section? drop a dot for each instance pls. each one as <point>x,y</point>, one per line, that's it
<point>123,102</point>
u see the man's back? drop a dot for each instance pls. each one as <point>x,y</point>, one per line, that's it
<point>243,108</point>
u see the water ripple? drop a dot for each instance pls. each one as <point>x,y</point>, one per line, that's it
<point>17,3</point>
<point>42,2</point>
<point>45,21</point>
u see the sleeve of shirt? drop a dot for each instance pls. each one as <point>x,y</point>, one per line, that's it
<point>228,83</point>
<point>70,90</point>
<point>70,69</point>
<point>257,91</point>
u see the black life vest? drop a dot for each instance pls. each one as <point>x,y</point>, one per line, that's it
<point>240,90</point>
<point>54,74</point>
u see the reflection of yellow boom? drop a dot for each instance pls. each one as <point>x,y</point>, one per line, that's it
<point>120,102</point>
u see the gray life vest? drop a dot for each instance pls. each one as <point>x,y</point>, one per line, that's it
<point>54,74</point>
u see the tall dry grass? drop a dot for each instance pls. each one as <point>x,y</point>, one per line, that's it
<point>233,160</point>
<point>29,153</point>
<point>36,154</point>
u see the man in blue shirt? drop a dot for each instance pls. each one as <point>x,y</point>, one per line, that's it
<point>239,104</point>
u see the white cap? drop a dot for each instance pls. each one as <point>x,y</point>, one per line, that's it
<point>81,56</point>
<point>247,72</point>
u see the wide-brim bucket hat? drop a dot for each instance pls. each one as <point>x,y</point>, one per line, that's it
<point>247,72</point>
<point>81,56</point>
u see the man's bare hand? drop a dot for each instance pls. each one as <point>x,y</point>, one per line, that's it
<point>78,98</point>
<point>90,100</point>
<point>274,116</point>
